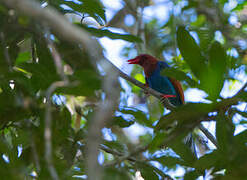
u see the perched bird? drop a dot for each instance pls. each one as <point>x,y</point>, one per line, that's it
<point>169,87</point>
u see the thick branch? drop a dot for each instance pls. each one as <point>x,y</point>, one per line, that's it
<point>101,118</point>
<point>58,24</point>
<point>70,32</point>
<point>64,29</point>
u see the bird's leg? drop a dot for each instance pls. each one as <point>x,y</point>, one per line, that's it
<point>165,96</point>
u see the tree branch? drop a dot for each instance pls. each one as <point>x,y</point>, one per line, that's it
<point>48,132</point>
<point>56,57</point>
<point>71,33</point>
<point>208,135</point>
<point>58,23</point>
<point>100,119</point>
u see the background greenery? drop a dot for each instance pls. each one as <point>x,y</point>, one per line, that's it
<point>49,84</point>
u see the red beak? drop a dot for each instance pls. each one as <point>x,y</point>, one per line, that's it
<point>134,61</point>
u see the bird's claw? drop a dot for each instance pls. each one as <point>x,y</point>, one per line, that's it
<point>165,96</point>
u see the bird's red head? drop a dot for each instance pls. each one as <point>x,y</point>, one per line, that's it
<point>148,62</point>
<point>143,60</point>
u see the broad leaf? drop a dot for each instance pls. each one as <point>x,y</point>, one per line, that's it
<point>214,81</point>
<point>191,52</point>
<point>110,34</point>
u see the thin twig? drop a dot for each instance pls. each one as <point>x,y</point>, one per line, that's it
<point>35,154</point>
<point>33,50</point>
<point>48,132</point>
<point>56,57</point>
<point>130,158</point>
<point>242,89</point>
<point>208,135</point>
<point>111,151</point>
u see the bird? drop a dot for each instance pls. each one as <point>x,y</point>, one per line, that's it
<point>169,87</point>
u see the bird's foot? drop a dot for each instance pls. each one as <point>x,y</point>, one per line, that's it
<point>165,96</point>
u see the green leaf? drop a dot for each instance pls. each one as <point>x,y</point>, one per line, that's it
<point>184,152</point>
<point>206,36</point>
<point>147,171</point>
<point>140,116</point>
<point>240,6</point>
<point>121,122</point>
<point>224,134</point>
<point>223,1</point>
<point>187,113</point>
<point>191,175</point>
<point>23,57</point>
<point>169,161</point>
<point>92,7</point>
<point>145,139</point>
<point>241,138</point>
<point>201,19</point>
<point>88,80</point>
<point>207,161</point>
<point>109,34</point>
<point>191,52</point>
<point>115,145</point>
<point>42,77</point>
<point>157,141</point>
<point>214,81</point>
<point>141,78</point>
<point>74,55</point>
<point>115,173</point>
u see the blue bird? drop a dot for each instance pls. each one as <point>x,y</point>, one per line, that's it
<point>169,87</point>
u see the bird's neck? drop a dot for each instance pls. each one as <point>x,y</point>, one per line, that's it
<point>149,69</point>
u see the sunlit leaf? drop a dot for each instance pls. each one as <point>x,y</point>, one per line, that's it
<point>23,57</point>
<point>122,122</point>
<point>214,81</point>
<point>140,116</point>
<point>147,171</point>
<point>92,7</point>
<point>110,34</point>
<point>191,52</point>
<point>169,161</point>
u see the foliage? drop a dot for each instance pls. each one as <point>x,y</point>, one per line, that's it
<point>29,69</point>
